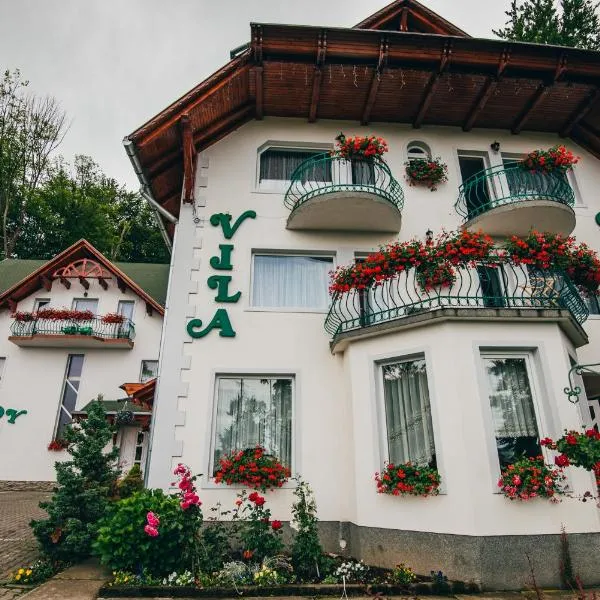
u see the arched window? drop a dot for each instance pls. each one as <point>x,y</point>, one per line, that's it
<point>418,150</point>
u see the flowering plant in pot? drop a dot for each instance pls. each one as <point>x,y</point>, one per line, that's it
<point>554,160</point>
<point>113,318</point>
<point>580,449</point>
<point>429,172</point>
<point>408,479</point>
<point>531,477</point>
<point>435,275</point>
<point>57,444</point>
<point>65,314</point>
<point>252,467</point>
<point>360,147</point>
<point>466,247</point>
<point>23,317</point>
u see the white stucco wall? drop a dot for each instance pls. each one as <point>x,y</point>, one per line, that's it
<point>33,378</point>
<point>336,437</point>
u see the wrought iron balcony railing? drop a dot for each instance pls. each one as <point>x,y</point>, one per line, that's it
<point>484,286</point>
<point>504,185</point>
<point>96,328</point>
<point>327,174</point>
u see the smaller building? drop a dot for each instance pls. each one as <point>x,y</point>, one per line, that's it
<point>71,329</point>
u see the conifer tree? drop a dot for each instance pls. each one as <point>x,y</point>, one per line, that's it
<point>84,487</point>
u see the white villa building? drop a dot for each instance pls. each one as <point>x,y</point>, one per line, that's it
<point>55,358</point>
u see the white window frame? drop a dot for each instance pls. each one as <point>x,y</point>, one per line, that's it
<point>66,380</point>
<point>155,360</point>
<point>487,164</point>
<point>380,404</point>
<point>276,186</point>
<point>132,302</point>
<point>542,418</point>
<point>38,301</point>
<point>422,146</point>
<point>96,300</point>
<point>3,361</point>
<point>208,481</point>
<point>287,309</point>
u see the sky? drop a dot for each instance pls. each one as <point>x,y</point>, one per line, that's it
<point>114,64</point>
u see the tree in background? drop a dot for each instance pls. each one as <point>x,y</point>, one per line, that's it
<point>574,23</point>
<point>31,128</point>
<point>83,202</point>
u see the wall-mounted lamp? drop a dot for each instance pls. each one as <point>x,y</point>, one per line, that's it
<point>429,236</point>
<point>495,146</point>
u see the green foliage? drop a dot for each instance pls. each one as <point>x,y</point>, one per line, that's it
<point>84,487</point>
<point>83,202</point>
<point>214,547</point>
<point>260,537</point>
<point>131,483</point>
<point>574,23</point>
<point>38,572</point>
<point>123,545</point>
<point>403,575</point>
<point>307,553</point>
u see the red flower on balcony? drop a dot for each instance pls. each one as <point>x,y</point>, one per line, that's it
<point>554,160</point>
<point>429,172</point>
<point>360,147</point>
<point>113,318</point>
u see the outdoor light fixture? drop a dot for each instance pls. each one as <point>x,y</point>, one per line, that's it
<point>429,236</point>
<point>495,146</point>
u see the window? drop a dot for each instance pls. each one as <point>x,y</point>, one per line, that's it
<point>2,366</point>
<point>593,304</point>
<point>478,193</point>
<point>125,308</point>
<point>409,429</point>
<point>70,392</point>
<point>254,411</point>
<point>149,370</point>
<point>86,304</point>
<point>139,448</point>
<point>512,404</point>
<point>418,150</point>
<point>278,164</point>
<point>281,281</point>
<point>41,303</point>
<point>491,286</point>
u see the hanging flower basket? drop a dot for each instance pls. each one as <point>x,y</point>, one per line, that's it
<point>408,480</point>
<point>253,468</point>
<point>530,478</point>
<point>123,418</point>
<point>57,445</point>
<point>360,147</point>
<point>421,171</point>
<point>554,160</point>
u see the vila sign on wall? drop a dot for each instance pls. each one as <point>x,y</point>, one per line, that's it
<point>221,282</point>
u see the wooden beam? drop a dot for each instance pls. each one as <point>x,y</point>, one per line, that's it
<point>121,285</point>
<point>84,282</point>
<point>65,282</point>
<point>432,85</point>
<point>149,309</point>
<point>374,87</point>
<point>535,101</point>
<point>12,304</point>
<point>317,77</point>
<point>404,19</point>
<point>488,89</point>
<point>217,126</point>
<point>46,283</point>
<point>582,110</point>
<point>260,92</point>
<point>189,159</point>
<point>103,283</point>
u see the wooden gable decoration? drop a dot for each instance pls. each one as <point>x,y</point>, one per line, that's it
<point>409,16</point>
<point>84,267</point>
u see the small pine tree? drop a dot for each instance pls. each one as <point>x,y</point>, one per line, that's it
<point>574,23</point>
<point>307,552</point>
<point>84,487</point>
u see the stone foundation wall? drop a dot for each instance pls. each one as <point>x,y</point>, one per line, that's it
<point>494,562</point>
<point>27,486</point>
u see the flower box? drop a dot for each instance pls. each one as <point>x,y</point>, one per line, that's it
<point>428,172</point>
<point>529,478</point>
<point>408,479</point>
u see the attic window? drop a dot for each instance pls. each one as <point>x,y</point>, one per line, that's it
<point>418,150</point>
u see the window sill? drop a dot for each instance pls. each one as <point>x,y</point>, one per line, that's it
<point>318,311</point>
<point>211,485</point>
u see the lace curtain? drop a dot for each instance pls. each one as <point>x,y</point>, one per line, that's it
<point>408,413</point>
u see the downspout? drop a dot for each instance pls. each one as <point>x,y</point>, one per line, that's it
<point>146,193</point>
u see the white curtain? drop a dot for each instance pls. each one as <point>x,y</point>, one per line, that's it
<point>251,412</point>
<point>408,413</point>
<point>291,281</point>
<point>279,165</point>
<point>510,398</point>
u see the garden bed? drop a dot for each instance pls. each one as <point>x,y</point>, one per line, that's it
<point>311,590</point>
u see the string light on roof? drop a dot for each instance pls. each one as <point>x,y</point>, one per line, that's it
<point>355,75</point>
<point>329,73</point>
<point>305,75</point>
<point>343,72</point>
<point>281,71</point>
<point>402,80</point>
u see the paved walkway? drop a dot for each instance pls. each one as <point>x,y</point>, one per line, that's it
<point>17,544</point>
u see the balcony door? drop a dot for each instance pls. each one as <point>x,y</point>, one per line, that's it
<point>86,304</point>
<point>477,194</point>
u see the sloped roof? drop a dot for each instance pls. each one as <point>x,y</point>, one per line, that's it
<point>374,75</point>
<point>20,278</point>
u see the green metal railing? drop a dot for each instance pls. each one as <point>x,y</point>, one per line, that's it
<point>326,174</point>
<point>93,328</point>
<point>512,184</point>
<point>483,286</point>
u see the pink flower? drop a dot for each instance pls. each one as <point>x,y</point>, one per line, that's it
<point>185,504</point>
<point>152,520</point>
<point>151,531</point>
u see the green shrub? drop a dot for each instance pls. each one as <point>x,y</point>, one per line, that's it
<point>85,485</point>
<point>124,545</point>
<point>131,483</point>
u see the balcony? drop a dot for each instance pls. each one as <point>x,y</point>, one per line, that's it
<point>332,193</point>
<point>488,292</point>
<point>510,200</point>
<point>67,333</point>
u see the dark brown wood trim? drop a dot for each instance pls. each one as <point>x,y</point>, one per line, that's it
<point>260,92</point>
<point>582,110</point>
<point>535,101</point>
<point>374,87</point>
<point>189,158</point>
